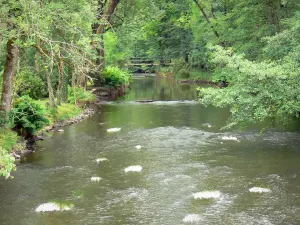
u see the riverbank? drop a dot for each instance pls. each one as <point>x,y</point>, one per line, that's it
<point>192,76</point>
<point>25,146</point>
<point>66,114</point>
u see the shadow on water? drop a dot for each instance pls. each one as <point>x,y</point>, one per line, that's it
<point>182,153</point>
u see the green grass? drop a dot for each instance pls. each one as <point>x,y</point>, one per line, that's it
<point>64,111</point>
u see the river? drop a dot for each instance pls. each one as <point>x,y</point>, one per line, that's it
<point>190,173</point>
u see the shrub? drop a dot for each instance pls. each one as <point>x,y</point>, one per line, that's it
<point>27,116</point>
<point>181,69</point>
<point>82,96</point>
<point>115,76</point>
<point>6,163</point>
<point>8,138</point>
<point>30,84</point>
<point>184,73</point>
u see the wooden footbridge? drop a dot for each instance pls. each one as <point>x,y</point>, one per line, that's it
<point>145,65</point>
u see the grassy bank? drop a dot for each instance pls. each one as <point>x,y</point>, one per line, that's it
<point>63,112</point>
<point>28,117</point>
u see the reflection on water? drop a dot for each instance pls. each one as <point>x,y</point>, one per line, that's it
<point>182,154</point>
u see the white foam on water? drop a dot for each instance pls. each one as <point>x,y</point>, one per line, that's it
<point>229,138</point>
<point>138,147</point>
<point>207,195</point>
<point>51,207</point>
<point>133,169</point>
<point>101,160</point>
<point>191,218</point>
<point>259,190</point>
<point>96,179</point>
<point>111,130</point>
<point>60,130</point>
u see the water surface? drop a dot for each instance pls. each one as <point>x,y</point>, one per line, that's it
<point>182,154</point>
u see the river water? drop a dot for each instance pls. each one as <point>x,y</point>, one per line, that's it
<point>189,175</point>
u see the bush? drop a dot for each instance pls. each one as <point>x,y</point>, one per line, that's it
<point>8,138</point>
<point>115,76</point>
<point>82,96</point>
<point>30,84</point>
<point>27,116</point>
<point>6,163</point>
<point>184,73</point>
<point>181,69</point>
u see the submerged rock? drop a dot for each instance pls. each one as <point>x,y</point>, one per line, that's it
<point>96,179</point>
<point>229,138</point>
<point>138,147</point>
<point>259,190</point>
<point>101,160</point>
<point>191,218</point>
<point>207,194</point>
<point>111,130</point>
<point>53,206</point>
<point>133,169</point>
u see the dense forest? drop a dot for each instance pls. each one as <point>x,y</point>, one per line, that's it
<point>50,51</point>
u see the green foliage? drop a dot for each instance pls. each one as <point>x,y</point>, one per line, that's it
<point>7,138</point>
<point>181,69</point>
<point>258,90</point>
<point>27,115</point>
<point>115,76</point>
<point>112,53</point>
<point>82,96</point>
<point>66,111</point>
<point>6,163</point>
<point>27,83</point>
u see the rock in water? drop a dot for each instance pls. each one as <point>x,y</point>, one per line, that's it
<point>138,147</point>
<point>229,138</point>
<point>60,130</point>
<point>101,160</point>
<point>52,207</point>
<point>96,179</point>
<point>111,130</point>
<point>191,218</point>
<point>133,169</point>
<point>259,190</point>
<point>207,194</point>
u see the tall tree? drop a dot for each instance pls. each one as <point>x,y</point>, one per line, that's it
<point>8,76</point>
<point>99,28</point>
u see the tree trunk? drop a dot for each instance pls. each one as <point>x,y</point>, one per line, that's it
<point>60,80</point>
<point>206,18</point>
<point>0,46</point>
<point>50,91</point>
<point>8,76</point>
<point>186,58</point>
<point>74,85</point>
<point>49,84</point>
<point>273,15</point>
<point>100,28</point>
